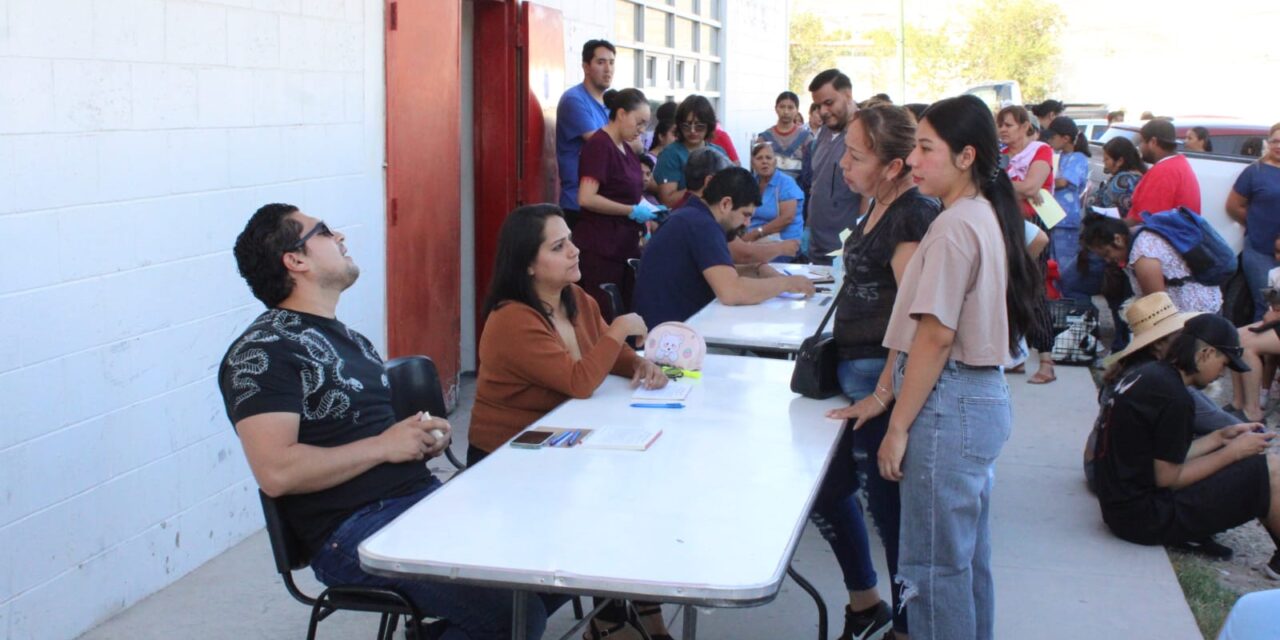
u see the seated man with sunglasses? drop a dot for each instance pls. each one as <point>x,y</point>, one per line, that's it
<point>1158,486</point>
<point>308,398</point>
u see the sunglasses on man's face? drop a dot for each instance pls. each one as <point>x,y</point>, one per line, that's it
<point>321,228</point>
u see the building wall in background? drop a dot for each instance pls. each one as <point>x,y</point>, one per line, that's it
<point>756,68</point>
<point>136,137</point>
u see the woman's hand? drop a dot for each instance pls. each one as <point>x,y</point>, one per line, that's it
<point>629,324</point>
<point>860,412</point>
<point>889,458</point>
<point>648,375</point>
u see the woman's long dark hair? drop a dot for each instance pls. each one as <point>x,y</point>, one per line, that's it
<point>521,237</point>
<point>702,111</point>
<point>1203,134</point>
<point>1123,149</point>
<point>965,121</point>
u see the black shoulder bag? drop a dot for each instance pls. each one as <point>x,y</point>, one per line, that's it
<point>814,375</point>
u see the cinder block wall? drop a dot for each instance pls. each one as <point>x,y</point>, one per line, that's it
<point>136,137</point>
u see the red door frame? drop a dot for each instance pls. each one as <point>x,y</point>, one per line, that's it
<point>423,181</point>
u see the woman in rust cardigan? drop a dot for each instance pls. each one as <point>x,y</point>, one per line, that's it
<point>544,339</point>
<point>544,342</point>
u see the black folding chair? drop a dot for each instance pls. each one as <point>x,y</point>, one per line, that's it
<point>415,386</point>
<point>615,301</point>
<point>290,555</point>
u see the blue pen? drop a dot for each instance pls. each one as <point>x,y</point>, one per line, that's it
<point>555,442</point>
<point>573,437</point>
<point>661,405</point>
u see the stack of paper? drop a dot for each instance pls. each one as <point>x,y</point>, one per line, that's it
<point>628,438</point>
<point>671,396</point>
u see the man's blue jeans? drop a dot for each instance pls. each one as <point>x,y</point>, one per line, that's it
<point>858,380</point>
<point>1256,266</point>
<point>945,554</point>
<point>474,613</point>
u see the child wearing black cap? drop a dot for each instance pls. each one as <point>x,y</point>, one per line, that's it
<point>1157,486</point>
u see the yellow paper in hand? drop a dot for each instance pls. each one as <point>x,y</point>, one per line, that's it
<point>844,236</point>
<point>1049,209</point>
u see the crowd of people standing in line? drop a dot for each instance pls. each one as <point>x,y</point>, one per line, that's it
<point>944,287</point>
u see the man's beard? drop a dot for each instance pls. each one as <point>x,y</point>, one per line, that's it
<point>342,280</point>
<point>735,233</point>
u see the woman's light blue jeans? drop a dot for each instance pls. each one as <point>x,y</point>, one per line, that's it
<point>945,552</point>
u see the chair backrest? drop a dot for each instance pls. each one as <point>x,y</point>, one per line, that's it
<point>415,386</point>
<point>615,301</point>
<point>289,551</point>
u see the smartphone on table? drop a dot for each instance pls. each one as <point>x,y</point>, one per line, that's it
<point>532,439</point>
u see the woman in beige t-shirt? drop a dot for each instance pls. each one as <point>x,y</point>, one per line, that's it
<point>965,299</point>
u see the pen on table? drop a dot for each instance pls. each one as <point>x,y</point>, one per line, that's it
<point>555,442</point>
<point>657,405</point>
<point>573,437</point>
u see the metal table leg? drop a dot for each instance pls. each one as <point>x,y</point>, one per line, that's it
<point>519,615</point>
<point>817,599</point>
<point>690,630</point>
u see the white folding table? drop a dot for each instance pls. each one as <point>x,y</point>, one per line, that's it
<point>709,515</point>
<point>777,324</point>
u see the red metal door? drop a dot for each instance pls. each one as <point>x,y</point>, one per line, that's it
<point>424,81</point>
<point>519,76</point>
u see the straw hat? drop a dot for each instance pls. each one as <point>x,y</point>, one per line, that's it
<point>1150,318</point>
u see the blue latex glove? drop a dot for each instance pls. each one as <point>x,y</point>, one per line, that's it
<point>804,243</point>
<point>643,212</point>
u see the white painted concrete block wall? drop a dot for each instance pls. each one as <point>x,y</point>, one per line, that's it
<point>755,66</point>
<point>136,137</point>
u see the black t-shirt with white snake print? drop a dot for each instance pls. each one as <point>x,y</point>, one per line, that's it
<point>333,378</point>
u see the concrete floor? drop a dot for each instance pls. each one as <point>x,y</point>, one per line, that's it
<point>1059,573</point>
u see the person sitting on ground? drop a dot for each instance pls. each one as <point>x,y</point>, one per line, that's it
<point>1151,263</point>
<point>781,200</point>
<point>309,400</point>
<point>695,120</point>
<point>789,140</point>
<point>545,342</point>
<point>1169,183</point>
<point>1198,140</point>
<point>1158,486</point>
<point>1155,322</point>
<point>1259,339</point>
<point>687,263</point>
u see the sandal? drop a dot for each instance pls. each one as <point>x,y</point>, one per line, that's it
<point>594,632</point>
<point>652,610</point>
<point>1039,378</point>
<point>1021,368</point>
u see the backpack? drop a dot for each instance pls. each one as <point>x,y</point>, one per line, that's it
<point>1209,258</point>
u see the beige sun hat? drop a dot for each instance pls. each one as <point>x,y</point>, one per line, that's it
<point>1150,318</point>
